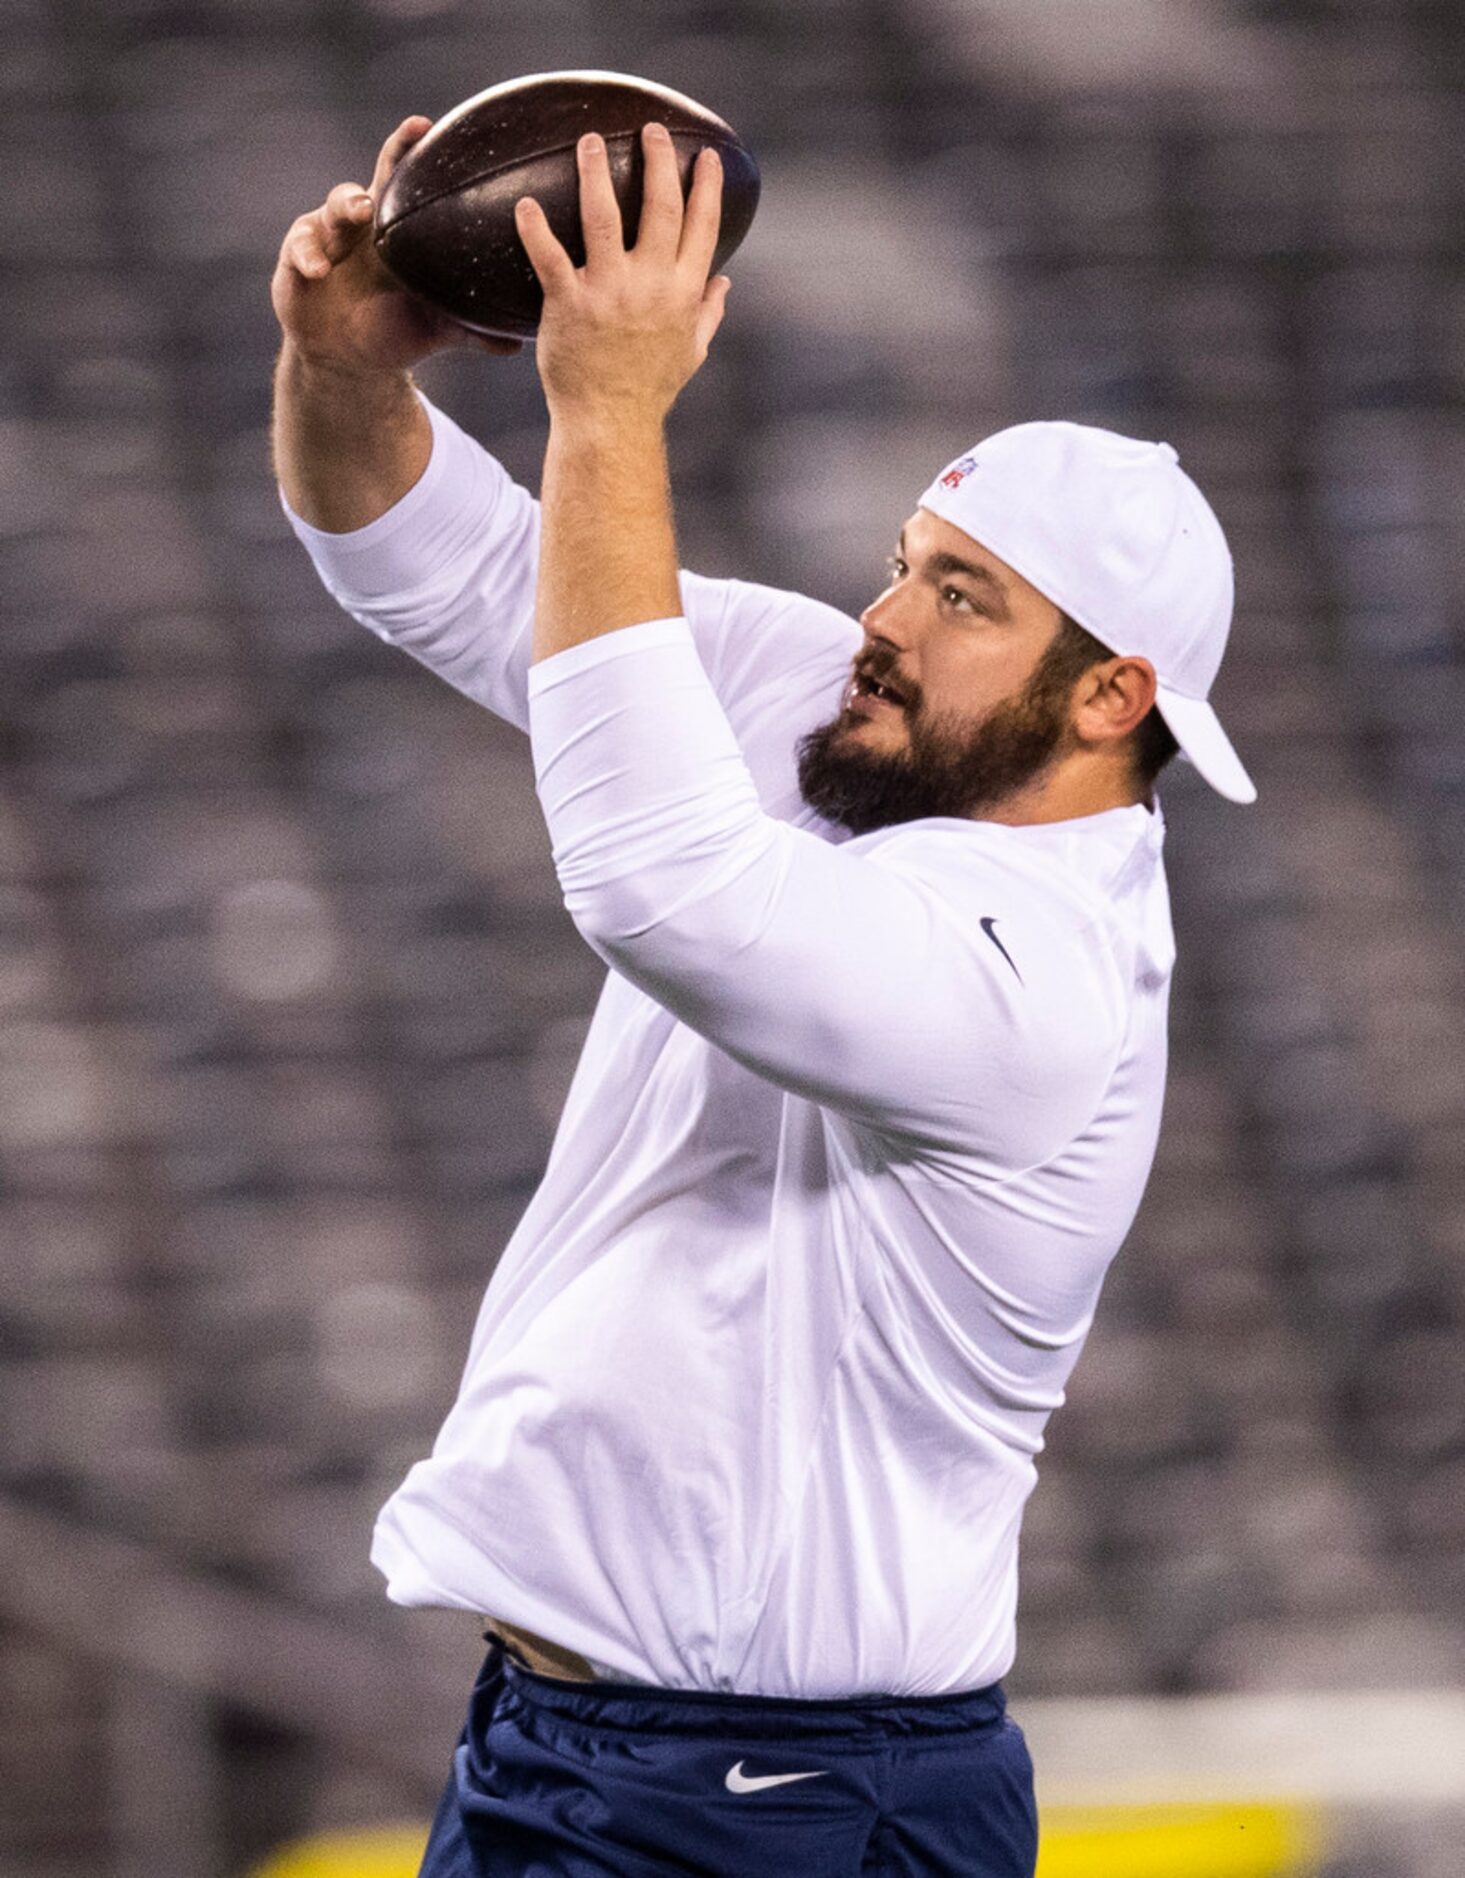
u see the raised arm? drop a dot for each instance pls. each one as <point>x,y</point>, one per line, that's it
<point>426,540</point>
<point>857,976</point>
<point>350,435</point>
<point>864,976</point>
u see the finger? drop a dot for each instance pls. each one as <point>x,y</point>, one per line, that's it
<point>703,220</point>
<point>343,219</point>
<point>546,252</point>
<point>315,242</point>
<point>661,200</point>
<point>710,313</point>
<point>410,131</point>
<point>600,213</point>
<point>303,249</point>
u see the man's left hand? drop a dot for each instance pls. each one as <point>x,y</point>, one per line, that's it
<point>620,336</point>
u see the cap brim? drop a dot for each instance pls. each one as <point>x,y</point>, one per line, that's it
<point>1198,731</point>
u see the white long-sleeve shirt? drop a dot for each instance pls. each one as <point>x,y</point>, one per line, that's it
<point>756,1391</point>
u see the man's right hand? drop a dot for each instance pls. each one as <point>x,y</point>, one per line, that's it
<point>351,436</point>
<point>338,305</point>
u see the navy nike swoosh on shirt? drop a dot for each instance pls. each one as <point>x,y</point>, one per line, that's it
<point>987,924</point>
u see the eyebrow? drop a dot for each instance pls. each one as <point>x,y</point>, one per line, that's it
<point>943,563</point>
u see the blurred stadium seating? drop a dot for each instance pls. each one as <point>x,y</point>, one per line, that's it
<point>289,1000</point>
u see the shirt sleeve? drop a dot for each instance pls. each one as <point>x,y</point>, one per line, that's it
<point>844,973</point>
<point>449,573</point>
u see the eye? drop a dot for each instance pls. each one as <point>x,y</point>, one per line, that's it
<point>954,597</point>
<point>895,567</point>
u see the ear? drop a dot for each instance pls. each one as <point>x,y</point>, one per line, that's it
<point>1112,699</point>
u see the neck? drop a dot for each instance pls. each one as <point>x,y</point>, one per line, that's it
<point>1080,784</point>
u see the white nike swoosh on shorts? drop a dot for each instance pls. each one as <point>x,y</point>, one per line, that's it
<point>739,1782</point>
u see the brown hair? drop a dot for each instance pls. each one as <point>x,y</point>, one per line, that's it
<point>1073,650</point>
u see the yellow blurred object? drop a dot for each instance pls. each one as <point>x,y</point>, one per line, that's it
<point>1224,1840</point>
<point>384,1852</point>
<point>1220,1841</point>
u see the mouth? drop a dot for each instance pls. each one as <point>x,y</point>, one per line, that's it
<point>866,691</point>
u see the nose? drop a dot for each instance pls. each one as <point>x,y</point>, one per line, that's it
<point>889,617</point>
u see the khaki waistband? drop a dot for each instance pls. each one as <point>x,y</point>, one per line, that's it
<point>536,1653</point>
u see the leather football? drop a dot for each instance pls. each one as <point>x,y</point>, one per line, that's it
<point>444,225</point>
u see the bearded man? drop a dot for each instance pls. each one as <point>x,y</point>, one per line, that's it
<point>871,1093</point>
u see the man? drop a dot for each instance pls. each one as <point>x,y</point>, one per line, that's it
<point>870,1096</point>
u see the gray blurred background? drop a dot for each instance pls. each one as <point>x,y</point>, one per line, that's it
<point>289,1000</point>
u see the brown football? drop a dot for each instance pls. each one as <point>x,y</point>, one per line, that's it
<point>444,225</point>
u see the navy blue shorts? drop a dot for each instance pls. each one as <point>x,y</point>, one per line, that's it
<point>609,1780</point>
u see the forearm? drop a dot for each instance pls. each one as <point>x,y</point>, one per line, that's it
<point>608,555</point>
<point>617,341</point>
<point>348,443</point>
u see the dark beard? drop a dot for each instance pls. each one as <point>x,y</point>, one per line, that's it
<point>942,771</point>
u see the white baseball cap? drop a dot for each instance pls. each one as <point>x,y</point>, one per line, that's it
<point>1115,533</point>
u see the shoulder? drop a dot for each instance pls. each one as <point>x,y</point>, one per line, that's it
<point>1018,910</point>
<point>961,859</point>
